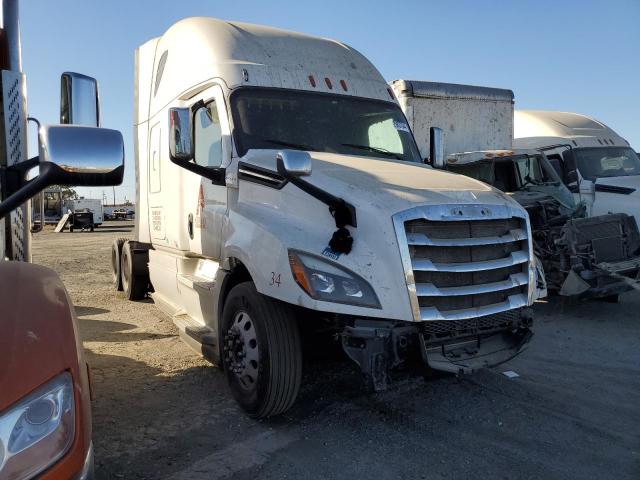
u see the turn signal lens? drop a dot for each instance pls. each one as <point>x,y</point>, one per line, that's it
<point>299,273</point>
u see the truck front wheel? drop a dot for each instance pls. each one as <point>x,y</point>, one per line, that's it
<point>262,352</point>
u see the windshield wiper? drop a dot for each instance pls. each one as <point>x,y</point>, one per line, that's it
<point>296,146</point>
<point>373,149</point>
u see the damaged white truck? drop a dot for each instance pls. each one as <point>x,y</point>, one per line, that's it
<point>596,257</point>
<point>596,163</point>
<point>280,192</point>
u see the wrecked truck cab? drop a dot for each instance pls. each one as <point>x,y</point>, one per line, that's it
<point>596,257</point>
<point>281,194</point>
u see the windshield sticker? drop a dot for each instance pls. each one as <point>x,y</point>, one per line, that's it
<point>327,252</point>
<point>401,126</point>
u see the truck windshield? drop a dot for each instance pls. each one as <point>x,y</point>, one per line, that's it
<point>268,118</point>
<point>509,174</point>
<point>597,162</point>
<point>530,173</point>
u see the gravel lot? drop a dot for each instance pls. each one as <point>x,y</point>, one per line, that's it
<point>162,412</point>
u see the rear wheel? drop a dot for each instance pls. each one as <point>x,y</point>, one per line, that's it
<point>262,352</point>
<point>134,284</point>
<point>116,253</point>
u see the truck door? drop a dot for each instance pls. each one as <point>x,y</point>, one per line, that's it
<point>207,206</point>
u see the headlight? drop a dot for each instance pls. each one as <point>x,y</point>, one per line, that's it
<point>38,430</point>
<point>329,282</point>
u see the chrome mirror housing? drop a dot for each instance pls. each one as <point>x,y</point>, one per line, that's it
<point>72,155</point>
<point>82,155</point>
<point>79,100</point>
<point>294,162</point>
<point>180,137</point>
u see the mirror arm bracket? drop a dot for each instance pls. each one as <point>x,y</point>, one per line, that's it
<point>30,189</point>
<point>216,175</point>
<point>198,105</point>
<point>14,177</point>
<point>342,212</point>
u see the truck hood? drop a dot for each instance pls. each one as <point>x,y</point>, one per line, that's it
<point>625,182</point>
<point>38,335</point>
<point>286,218</point>
<point>388,185</point>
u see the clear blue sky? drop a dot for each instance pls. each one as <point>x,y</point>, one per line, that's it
<point>581,56</point>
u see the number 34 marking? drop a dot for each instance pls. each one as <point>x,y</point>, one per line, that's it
<point>275,279</point>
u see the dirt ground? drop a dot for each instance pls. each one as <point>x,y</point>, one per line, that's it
<point>162,412</point>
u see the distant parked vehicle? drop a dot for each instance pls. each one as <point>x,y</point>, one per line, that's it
<point>81,220</point>
<point>120,214</point>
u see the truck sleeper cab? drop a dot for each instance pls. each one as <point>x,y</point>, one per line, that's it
<point>280,188</point>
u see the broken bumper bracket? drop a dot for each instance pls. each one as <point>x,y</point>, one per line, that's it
<point>472,353</point>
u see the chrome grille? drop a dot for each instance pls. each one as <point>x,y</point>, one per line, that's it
<point>464,261</point>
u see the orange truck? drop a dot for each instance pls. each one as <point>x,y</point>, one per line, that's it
<point>45,409</point>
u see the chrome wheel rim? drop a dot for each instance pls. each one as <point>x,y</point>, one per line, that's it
<point>241,350</point>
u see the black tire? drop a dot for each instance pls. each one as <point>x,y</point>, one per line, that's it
<point>91,229</point>
<point>135,286</point>
<point>278,372</point>
<point>116,253</point>
<point>71,229</point>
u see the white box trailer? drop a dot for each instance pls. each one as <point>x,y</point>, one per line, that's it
<point>280,193</point>
<point>608,179</point>
<point>471,118</point>
<point>92,204</point>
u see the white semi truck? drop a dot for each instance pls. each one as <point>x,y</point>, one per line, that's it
<point>608,169</point>
<point>280,192</point>
<point>586,257</point>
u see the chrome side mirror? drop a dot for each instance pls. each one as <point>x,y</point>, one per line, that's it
<point>294,163</point>
<point>181,148</point>
<point>72,155</point>
<point>92,156</point>
<point>436,147</point>
<point>79,100</point>
<point>87,153</point>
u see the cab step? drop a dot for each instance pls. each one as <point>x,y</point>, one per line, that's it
<point>199,337</point>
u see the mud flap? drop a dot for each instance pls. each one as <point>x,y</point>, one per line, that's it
<point>472,353</point>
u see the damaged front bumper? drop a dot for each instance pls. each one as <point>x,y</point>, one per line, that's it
<point>603,279</point>
<point>602,255</point>
<point>456,346</point>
